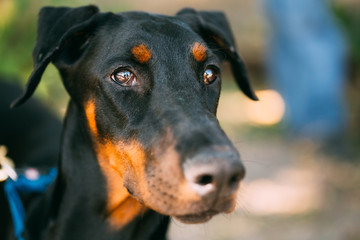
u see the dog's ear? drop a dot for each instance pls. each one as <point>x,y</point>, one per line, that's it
<point>214,28</point>
<point>58,27</point>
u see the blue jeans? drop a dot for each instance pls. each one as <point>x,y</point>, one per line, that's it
<point>306,64</point>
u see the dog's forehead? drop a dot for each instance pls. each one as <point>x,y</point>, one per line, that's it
<point>156,32</point>
<point>150,23</point>
<point>147,38</point>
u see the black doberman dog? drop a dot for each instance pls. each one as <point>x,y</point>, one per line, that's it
<point>141,140</point>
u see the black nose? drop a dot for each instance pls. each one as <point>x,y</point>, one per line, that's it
<point>214,172</point>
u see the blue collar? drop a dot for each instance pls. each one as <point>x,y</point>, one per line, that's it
<point>24,185</point>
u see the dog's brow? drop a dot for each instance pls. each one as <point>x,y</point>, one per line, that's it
<point>141,53</point>
<point>199,52</point>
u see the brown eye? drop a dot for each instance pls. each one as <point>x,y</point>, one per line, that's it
<point>124,77</point>
<point>210,75</point>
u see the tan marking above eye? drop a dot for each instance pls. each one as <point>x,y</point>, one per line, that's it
<point>199,52</point>
<point>141,53</point>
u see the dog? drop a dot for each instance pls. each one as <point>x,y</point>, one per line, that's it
<point>140,141</point>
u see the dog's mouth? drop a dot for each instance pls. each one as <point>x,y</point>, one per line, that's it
<point>196,218</point>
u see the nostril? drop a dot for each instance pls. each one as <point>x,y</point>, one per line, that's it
<point>236,177</point>
<point>212,175</point>
<point>204,179</point>
<point>234,180</point>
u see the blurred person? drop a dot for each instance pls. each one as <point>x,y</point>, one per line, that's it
<point>306,64</point>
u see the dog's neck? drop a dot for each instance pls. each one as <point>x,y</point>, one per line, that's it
<point>81,206</point>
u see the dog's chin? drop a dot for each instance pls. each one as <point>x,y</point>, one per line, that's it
<point>196,218</point>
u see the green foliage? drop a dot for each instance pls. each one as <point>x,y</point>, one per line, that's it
<point>18,26</point>
<point>18,34</point>
<point>17,38</point>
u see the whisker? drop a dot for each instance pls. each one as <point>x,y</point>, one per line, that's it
<point>242,203</point>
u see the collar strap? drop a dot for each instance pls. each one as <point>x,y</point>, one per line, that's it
<point>25,185</point>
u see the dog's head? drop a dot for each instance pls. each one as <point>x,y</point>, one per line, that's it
<point>148,87</point>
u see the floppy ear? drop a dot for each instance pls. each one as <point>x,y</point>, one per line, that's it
<point>214,28</point>
<point>57,27</point>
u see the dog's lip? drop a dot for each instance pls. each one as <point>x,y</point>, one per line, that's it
<point>200,217</point>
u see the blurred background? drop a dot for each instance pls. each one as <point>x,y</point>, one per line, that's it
<point>300,143</point>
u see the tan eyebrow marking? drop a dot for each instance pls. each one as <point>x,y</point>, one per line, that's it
<point>199,52</point>
<point>141,53</point>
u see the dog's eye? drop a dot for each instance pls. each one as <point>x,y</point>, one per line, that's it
<point>124,77</point>
<point>210,75</point>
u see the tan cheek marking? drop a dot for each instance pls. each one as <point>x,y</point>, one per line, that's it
<point>116,160</point>
<point>199,52</point>
<point>126,211</point>
<point>90,115</point>
<point>141,53</point>
<point>176,184</point>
